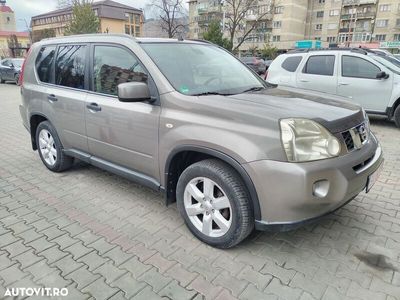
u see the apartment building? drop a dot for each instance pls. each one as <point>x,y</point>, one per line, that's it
<point>114,18</point>
<point>368,23</point>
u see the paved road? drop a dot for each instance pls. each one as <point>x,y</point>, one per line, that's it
<point>104,237</point>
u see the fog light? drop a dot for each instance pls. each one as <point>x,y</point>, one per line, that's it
<point>321,188</point>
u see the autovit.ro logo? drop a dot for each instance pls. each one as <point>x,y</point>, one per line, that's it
<point>29,292</point>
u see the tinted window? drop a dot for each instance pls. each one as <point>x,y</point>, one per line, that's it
<point>70,66</point>
<point>358,67</point>
<point>320,65</point>
<point>112,66</point>
<point>44,63</point>
<point>291,63</point>
<point>17,62</point>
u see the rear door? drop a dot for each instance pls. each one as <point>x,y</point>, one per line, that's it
<point>62,71</point>
<point>319,73</point>
<point>358,82</point>
<point>123,133</point>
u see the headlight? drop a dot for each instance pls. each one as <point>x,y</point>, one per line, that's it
<point>306,140</point>
<point>366,118</point>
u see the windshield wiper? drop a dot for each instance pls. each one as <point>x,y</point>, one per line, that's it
<point>211,93</point>
<point>254,89</point>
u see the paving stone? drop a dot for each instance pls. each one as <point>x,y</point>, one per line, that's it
<point>11,274</point>
<point>155,279</point>
<point>40,244</point>
<point>100,290</point>
<point>101,246</point>
<point>179,273</point>
<point>251,293</point>
<point>78,250</point>
<point>93,260</point>
<point>117,255</point>
<point>27,259</point>
<point>40,269</point>
<point>357,291</point>
<point>174,291</point>
<point>53,254</point>
<point>146,294</point>
<point>15,249</point>
<point>64,241</point>
<point>67,265</point>
<point>206,288</point>
<point>235,285</point>
<point>109,271</point>
<point>82,277</point>
<point>135,267</point>
<point>128,285</point>
<point>315,289</point>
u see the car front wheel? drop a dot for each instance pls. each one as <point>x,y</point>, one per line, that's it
<point>50,148</point>
<point>215,204</point>
<point>397,116</point>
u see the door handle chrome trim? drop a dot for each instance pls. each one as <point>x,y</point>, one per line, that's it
<point>344,83</point>
<point>52,98</point>
<point>93,107</point>
<point>303,80</point>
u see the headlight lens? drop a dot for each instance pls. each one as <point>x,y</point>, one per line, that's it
<point>306,140</point>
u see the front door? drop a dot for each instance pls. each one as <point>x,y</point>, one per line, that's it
<point>122,133</point>
<point>358,82</point>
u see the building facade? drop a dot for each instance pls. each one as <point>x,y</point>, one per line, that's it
<point>114,18</point>
<point>334,22</point>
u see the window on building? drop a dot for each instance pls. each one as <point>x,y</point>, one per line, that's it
<point>398,23</point>
<point>320,65</point>
<point>380,37</point>
<point>291,63</point>
<point>382,23</point>
<point>334,12</point>
<point>279,10</point>
<point>276,38</point>
<point>70,66</point>
<point>321,1</point>
<point>384,7</point>
<point>331,39</point>
<point>277,24</point>
<point>358,67</point>
<point>44,63</point>
<point>320,14</point>
<point>318,27</point>
<point>396,37</point>
<point>113,66</point>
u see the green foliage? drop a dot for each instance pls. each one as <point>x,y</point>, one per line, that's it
<point>84,20</point>
<point>269,52</point>
<point>214,35</point>
<point>39,35</point>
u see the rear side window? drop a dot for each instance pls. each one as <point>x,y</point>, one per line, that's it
<point>358,67</point>
<point>44,63</point>
<point>291,63</point>
<point>320,65</point>
<point>70,66</point>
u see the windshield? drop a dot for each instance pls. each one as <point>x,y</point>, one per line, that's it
<point>199,69</point>
<point>389,62</point>
<point>17,62</point>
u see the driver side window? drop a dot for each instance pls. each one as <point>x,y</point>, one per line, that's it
<point>359,68</point>
<point>113,66</point>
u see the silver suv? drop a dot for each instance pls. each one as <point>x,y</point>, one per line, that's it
<point>189,119</point>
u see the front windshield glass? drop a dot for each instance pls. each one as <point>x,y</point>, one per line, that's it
<point>389,62</point>
<point>199,69</point>
<point>17,62</point>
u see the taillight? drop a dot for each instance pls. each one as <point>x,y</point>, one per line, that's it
<point>21,75</point>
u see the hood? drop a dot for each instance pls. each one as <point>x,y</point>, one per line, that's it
<point>334,113</point>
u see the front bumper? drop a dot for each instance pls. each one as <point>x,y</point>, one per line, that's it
<point>287,193</point>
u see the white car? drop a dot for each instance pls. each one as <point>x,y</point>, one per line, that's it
<point>362,76</point>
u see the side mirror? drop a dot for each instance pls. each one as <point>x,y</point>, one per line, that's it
<point>133,92</point>
<point>382,75</point>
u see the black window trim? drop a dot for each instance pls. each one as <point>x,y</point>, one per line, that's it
<point>341,68</point>
<point>308,59</point>
<point>91,68</point>
<point>298,65</point>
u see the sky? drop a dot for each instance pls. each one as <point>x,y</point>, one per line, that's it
<point>25,9</point>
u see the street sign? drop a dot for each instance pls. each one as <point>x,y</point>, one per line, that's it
<point>390,44</point>
<point>307,44</point>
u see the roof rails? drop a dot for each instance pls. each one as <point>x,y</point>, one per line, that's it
<point>356,50</point>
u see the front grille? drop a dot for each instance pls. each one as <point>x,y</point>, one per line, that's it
<point>355,137</point>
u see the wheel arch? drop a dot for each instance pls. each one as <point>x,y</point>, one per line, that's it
<point>392,109</point>
<point>183,156</point>
<point>34,120</point>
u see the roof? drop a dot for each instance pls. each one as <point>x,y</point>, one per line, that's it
<point>18,34</point>
<point>96,5</point>
<point>6,9</point>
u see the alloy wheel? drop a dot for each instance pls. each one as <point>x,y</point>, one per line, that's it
<point>47,147</point>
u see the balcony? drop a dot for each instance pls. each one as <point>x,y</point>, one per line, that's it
<point>358,2</point>
<point>341,30</point>
<point>365,15</point>
<point>347,16</point>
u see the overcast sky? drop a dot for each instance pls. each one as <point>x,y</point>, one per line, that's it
<point>25,9</point>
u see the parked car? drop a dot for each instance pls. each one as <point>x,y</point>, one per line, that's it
<point>256,63</point>
<point>10,69</point>
<point>221,142</point>
<point>362,76</point>
<point>397,56</point>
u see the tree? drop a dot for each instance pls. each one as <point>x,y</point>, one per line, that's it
<point>236,13</point>
<point>269,52</point>
<point>84,20</point>
<point>14,45</point>
<point>214,35</point>
<point>39,35</point>
<point>172,14</point>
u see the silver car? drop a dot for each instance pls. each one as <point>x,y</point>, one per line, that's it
<point>190,120</point>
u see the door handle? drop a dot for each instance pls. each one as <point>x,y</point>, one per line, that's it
<point>52,98</point>
<point>344,83</point>
<point>93,107</point>
<point>303,80</point>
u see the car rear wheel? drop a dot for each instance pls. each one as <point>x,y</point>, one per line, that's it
<point>16,78</point>
<point>397,116</point>
<point>50,148</point>
<point>2,80</point>
<point>215,204</point>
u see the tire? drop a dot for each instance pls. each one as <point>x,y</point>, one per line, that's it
<point>238,217</point>
<point>1,80</point>
<point>56,160</point>
<point>16,78</point>
<point>396,116</point>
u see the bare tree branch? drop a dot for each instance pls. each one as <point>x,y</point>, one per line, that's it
<point>170,12</point>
